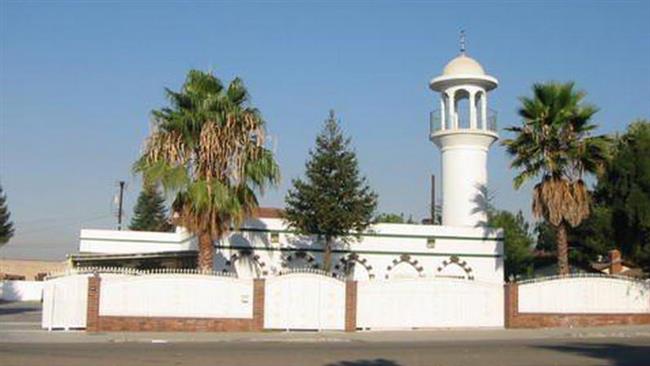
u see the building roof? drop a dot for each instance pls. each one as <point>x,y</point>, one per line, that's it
<point>80,257</point>
<point>268,212</point>
<point>628,269</point>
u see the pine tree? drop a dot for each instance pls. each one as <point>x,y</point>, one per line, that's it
<point>333,202</point>
<point>6,226</point>
<point>150,213</point>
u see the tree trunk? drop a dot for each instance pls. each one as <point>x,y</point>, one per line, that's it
<point>562,249</point>
<point>206,252</point>
<point>327,255</point>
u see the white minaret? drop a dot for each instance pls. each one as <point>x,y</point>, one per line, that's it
<point>463,128</point>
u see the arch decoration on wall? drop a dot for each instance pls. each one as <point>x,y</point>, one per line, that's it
<point>350,259</point>
<point>405,258</point>
<point>308,257</point>
<point>455,260</point>
<point>245,253</point>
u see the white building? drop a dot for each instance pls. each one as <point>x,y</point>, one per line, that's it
<point>461,248</point>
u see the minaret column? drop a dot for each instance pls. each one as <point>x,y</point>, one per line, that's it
<point>472,109</point>
<point>484,111</point>
<point>453,119</point>
<point>442,112</point>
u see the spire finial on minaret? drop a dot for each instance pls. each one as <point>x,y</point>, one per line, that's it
<point>462,41</point>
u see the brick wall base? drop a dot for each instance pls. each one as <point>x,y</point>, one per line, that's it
<point>515,319</point>
<point>533,320</point>
<point>97,323</point>
<point>157,324</point>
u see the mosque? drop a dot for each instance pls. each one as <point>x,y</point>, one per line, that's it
<point>463,128</point>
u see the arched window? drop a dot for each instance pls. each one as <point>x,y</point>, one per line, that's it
<point>478,107</point>
<point>446,119</point>
<point>461,100</point>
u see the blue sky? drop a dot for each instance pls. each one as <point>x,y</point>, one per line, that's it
<point>78,81</point>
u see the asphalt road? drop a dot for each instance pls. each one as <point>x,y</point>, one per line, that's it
<point>22,342</point>
<point>619,352</point>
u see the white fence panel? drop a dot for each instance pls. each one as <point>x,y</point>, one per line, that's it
<point>428,303</point>
<point>21,290</point>
<point>64,302</point>
<point>304,301</point>
<point>585,295</point>
<point>177,295</point>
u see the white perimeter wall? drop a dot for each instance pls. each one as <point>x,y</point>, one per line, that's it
<point>429,303</point>
<point>21,290</point>
<point>176,295</point>
<point>304,301</point>
<point>585,295</point>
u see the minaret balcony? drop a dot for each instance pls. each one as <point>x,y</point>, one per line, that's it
<point>462,123</point>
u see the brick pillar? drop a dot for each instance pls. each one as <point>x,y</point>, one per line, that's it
<point>258,304</point>
<point>615,265</point>
<point>92,307</point>
<point>511,303</point>
<point>351,306</point>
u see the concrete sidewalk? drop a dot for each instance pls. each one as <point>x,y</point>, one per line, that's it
<point>30,333</point>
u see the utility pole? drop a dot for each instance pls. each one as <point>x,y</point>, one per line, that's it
<point>119,207</point>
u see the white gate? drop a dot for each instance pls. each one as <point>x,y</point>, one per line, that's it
<point>65,302</point>
<point>304,301</point>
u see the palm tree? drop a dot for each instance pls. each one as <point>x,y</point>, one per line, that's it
<point>207,150</point>
<point>555,144</point>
